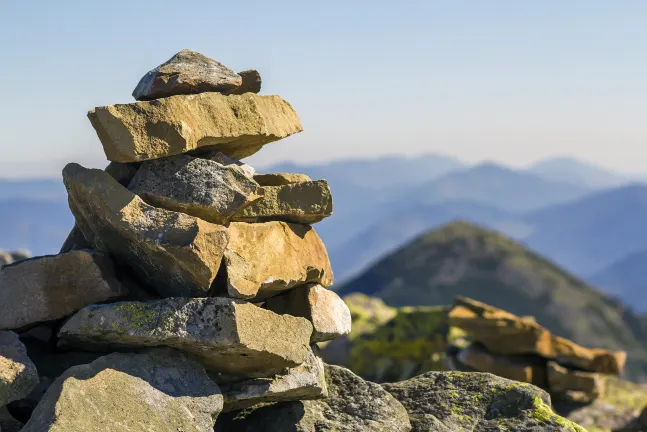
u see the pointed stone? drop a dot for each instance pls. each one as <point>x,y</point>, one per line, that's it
<point>304,382</point>
<point>237,126</point>
<point>305,202</point>
<point>195,186</point>
<point>280,179</point>
<point>18,375</point>
<point>264,259</point>
<point>251,83</point>
<point>177,254</point>
<point>228,336</point>
<point>52,287</point>
<point>160,390</point>
<point>187,72</point>
<point>329,315</point>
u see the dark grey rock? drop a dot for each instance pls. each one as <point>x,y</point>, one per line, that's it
<point>251,82</point>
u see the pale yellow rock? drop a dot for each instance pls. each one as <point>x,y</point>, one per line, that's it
<point>265,259</point>
<point>238,125</point>
<point>177,254</point>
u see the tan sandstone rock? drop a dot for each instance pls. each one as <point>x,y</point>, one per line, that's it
<point>52,287</point>
<point>505,333</point>
<point>304,382</point>
<point>329,315</point>
<point>187,72</point>
<point>265,259</point>
<point>562,381</point>
<point>160,391</point>
<point>280,179</point>
<point>177,254</point>
<point>235,125</point>
<point>304,202</point>
<point>18,375</point>
<point>227,336</point>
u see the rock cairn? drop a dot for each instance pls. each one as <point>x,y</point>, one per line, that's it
<point>190,284</point>
<point>13,256</point>
<point>520,349</point>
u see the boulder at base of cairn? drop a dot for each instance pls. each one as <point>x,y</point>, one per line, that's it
<point>18,375</point>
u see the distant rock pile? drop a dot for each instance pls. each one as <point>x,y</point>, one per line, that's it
<point>13,256</point>
<point>192,292</point>
<point>520,349</point>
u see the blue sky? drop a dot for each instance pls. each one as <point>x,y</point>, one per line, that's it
<point>510,81</point>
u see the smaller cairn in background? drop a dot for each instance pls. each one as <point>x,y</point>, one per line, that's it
<point>13,256</point>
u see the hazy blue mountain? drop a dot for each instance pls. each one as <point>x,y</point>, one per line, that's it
<point>40,226</point>
<point>570,170</point>
<point>590,234</point>
<point>627,279</point>
<point>33,189</point>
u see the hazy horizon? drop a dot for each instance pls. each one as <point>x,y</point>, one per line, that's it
<point>514,83</point>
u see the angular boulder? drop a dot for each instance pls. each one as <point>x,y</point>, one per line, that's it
<point>459,401</point>
<point>195,186</point>
<point>251,82</point>
<point>585,386</point>
<point>238,126</point>
<point>18,375</point>
<point>329,315</point>
<point>264,259</point>
<point>352,405</point>
<point>227,336</point>
<point>160,391</point>
<point>280,179</point>
<point>177,254</point>
<point>505,333</point>
<point>52,287</point>
<point>305,202</point>
<point>187,72</point>
<point>304,382</point>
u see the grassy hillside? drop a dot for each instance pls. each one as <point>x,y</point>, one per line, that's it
<point>463,259</point>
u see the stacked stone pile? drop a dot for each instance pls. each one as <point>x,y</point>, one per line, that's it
<point>13,256</point>
<point>520,349</point>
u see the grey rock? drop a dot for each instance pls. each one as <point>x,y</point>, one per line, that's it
<point>199,187</point>
<point>251,82</point>
<point>352,405</point>
<point>460,401</point>
<point>303,382</point>
<point>52,287</point>
<point>18,375</point>
<point>8,423</point>
<point>228,336</point>
<point>159,391</point>
<point>187,72</point>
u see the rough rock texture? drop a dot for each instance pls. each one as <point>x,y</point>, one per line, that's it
<point>280,179</point>
<point>235,125</point>
<point>265,259</point>
<point>51,287</point>
<point>195,186</point>
<point>562,380</point>
<point>177,254</point>
<point>329,315</point>
<point>225,160</point>
<point>305,202</point>
<point>352,405</point>
<point>528,369</point>
<point>18,375</point>
<point>251,82</point>
<point>505,333</point>
<point>160,391</point>
<point>303,382</point>
<point>228,336</point>
<point>8,423</point>
<point>459,401</point>
<point>187,72</point>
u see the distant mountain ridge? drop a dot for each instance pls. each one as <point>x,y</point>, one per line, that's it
<point>627,279</point>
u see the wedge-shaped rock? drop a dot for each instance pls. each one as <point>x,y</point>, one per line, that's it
<point>51,287</point>
<point>251,82</point>
<point>227,336</point>
<point>198,187</point>
<point>18,375</point>
<point>177,254</point>
<point>305,202</point>
<point>523,369</point>
<point>304,382</point>
<point>352,405</point>
<point>160,391</point>
<point>280,179</point>
<point>563,380</point>
<point>505,333</point>
<point>329,315</point>
<point>187,72</point>
<point>457,401</point>
<point>265,259</point>
<point>235,125</point>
